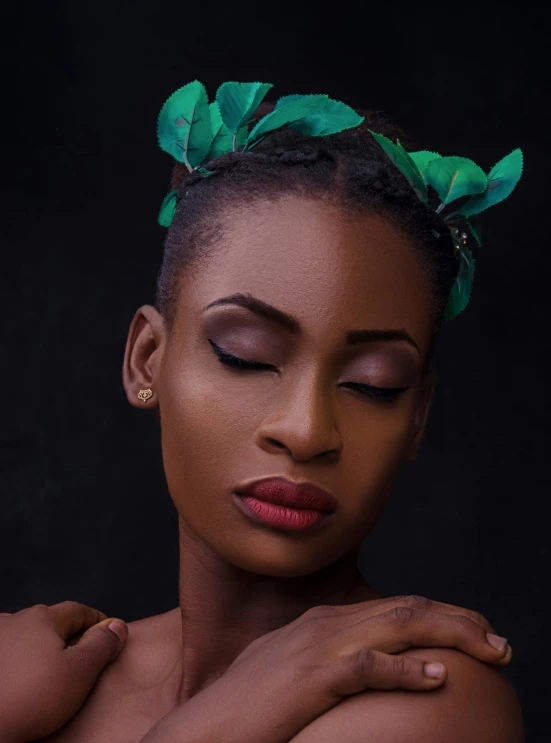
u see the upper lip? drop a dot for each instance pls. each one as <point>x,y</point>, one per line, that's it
<point>286,492</point>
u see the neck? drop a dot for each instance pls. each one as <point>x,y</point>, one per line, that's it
<point>223,608</point>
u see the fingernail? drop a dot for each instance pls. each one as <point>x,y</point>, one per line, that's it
<point>506,658</point>
<point>434,670</point>
<point>496,641</point>
<point>119,628</point>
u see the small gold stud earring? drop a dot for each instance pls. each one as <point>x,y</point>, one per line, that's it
<point>145,394</point>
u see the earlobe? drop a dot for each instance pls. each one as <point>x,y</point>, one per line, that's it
<point>421,414</point>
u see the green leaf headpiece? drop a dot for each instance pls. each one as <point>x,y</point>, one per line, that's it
<point>195,131</point>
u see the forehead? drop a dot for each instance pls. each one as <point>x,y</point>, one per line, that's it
<point>332,269</point>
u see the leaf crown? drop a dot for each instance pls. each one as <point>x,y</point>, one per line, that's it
<point>195,131</point>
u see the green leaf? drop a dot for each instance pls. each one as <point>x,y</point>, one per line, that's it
<point>461,289</point>
<point>204,172</point>
<point>238,102</point>
<point>475,232</point>
<point>454,177</point>
<point>285,99</point>
<point>183,128</point>
<point>404,163</point>
<point>285,115</point>
<point>223,135</point>
<point>168,208</point>
<point>422,158</point>
<point>416,176</point>
<point>502,180</point>
<point>335,117</point>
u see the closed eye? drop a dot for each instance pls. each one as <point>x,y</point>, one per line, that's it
<point>234,361</point>
<point>385,394</point>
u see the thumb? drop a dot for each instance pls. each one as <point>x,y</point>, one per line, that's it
<point>101,644</point>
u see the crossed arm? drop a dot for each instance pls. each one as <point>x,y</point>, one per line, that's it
<point>476,705</point>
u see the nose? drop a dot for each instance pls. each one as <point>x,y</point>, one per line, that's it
<point>302,422</point>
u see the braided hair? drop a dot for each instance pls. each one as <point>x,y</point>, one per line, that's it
<point>349,168</point>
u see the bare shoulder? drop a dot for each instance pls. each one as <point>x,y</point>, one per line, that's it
<point>477,703</point>
<point>133,692</point>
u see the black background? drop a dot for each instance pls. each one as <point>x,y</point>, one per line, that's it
<point>86,514</point>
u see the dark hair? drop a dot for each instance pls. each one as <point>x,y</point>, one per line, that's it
<point>349,168</point>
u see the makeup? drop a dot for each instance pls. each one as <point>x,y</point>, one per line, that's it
<point>281,517</point>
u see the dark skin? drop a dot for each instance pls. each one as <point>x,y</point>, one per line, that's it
<point>333,271</point>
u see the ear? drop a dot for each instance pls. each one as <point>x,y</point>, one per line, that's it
<point>142,356</point>
<point>421,415</point>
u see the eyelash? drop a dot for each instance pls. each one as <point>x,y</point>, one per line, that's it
<point>384,394</point>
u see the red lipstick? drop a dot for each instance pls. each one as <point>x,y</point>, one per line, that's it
<point>285,503</point>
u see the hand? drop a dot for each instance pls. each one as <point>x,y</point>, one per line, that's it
<point>44,677</point>
<point>286,678</point>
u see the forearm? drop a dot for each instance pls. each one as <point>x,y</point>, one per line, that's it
<point>216,715</point>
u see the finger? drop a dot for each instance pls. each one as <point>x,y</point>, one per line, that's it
<point>71,617</point>
<point>85,662</point>
<point>506,658</point>
<point>371,669</point>
<point>402,628</point>
<point>97,647</point>
<point>424,604</point>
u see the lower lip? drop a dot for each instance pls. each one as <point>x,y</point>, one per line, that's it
<point>292,519</point>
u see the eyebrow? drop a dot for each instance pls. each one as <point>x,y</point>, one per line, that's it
<point>291,324</point>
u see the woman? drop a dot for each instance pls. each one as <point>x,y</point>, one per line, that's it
<point>301,292</point>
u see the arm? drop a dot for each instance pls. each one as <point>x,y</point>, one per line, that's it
<point>476,704</point>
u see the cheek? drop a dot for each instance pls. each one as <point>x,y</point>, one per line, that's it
<point>389,432</point>
<point>201,421</point>
<point>375,443</point>
<point>373,453</point>
<point>379,428</point>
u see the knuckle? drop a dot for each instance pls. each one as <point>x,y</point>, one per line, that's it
<point>366,661</point>
<point>402,615</point>
<point>421,603</point>
<point>477,617</point>
<point>465,624</point>
<point>39,608</point>
<point>314,622</point>
<point>299,633</point>
<point>402,599</point>
<point>320,610</point>
<point>400,665</point>
<point>70,604</point>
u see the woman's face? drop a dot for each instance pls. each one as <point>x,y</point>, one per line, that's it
<point>333,273</point>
